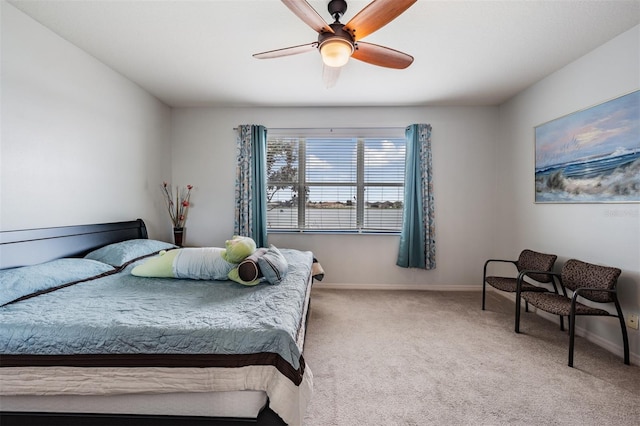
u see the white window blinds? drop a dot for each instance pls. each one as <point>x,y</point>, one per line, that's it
<point>335,183</point>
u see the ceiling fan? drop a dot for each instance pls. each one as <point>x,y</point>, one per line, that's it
<point>338,42</point>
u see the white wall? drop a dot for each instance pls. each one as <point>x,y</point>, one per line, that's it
<point>606,234</point>
<point>80,143</point>
<point>463,162</point>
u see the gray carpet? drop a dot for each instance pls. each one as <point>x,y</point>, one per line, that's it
<point>435,358</point>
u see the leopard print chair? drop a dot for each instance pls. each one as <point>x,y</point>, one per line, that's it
<point>587,281</point>
<point>528,260</point>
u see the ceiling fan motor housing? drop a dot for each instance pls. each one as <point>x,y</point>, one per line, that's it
<point>338,33</point>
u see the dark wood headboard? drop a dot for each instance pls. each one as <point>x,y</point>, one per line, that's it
<point>32,246</point>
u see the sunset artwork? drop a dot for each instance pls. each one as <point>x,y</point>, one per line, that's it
<point>590,156</point>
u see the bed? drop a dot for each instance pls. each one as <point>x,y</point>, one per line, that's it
<point>92,344</point>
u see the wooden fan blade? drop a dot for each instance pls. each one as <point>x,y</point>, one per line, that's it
<point>330,75</point>
<point>287,51</point>
<point>376,15</point>
<point>381,56</point>
<point>308,14</point>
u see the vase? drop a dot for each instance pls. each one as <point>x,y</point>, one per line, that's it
<point>178,234</point>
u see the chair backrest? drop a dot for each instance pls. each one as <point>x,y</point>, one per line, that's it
<point>533,260</point>
<point>579,274</point>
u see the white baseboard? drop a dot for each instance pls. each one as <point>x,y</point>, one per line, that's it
<point>421,287</point>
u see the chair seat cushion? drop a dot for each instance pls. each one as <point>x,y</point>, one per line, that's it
<point>509,284</point>
<point>559,304</point>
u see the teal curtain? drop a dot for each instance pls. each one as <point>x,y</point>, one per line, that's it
<point>417,240</point>
<point>251,183</point>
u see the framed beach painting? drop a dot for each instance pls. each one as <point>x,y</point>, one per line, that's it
<point>590,156</point>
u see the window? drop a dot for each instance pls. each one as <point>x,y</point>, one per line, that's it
<point>347,180</point>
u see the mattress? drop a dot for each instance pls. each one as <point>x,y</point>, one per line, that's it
<point>48,385</point>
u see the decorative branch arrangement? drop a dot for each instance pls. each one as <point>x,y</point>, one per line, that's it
<point>179,206</point>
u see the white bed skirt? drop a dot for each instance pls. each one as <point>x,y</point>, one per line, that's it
<point>235,404</point>
<point>38,387</point>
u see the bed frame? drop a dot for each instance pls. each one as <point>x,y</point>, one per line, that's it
<point>266,417</point>
<point>33,246</point>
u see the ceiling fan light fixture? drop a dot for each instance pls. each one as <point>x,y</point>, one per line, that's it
<point>336,52</point>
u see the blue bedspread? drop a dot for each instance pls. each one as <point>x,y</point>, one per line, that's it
<point>125,314</point>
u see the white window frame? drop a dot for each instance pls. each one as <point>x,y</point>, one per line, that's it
<point>395,133</point>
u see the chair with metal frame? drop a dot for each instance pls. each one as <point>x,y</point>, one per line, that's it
<point>527,261</point>
<point>594,283</point>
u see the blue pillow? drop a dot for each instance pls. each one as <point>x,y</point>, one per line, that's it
<point>18,282</point>
<point>273,265</point>
<point>119,254</point>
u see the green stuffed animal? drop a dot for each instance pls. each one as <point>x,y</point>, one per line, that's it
<point>238,248</point>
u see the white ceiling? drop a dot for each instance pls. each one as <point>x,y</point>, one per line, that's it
<point>198,53</point>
